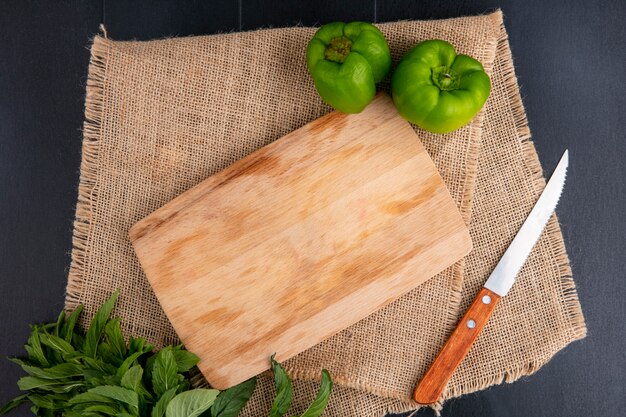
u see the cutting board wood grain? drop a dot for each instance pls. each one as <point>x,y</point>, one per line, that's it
<point>299,240</point>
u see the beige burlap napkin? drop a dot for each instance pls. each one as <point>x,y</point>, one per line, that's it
<point>163,115</point>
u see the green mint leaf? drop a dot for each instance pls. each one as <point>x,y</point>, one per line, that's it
<point>230,402</point>
<point>59,324</point>
<point>164,372</point>
<point>78,341</point>
<point>48,401</point>
<point>41,402</point>
<point>284,391</point>
<point>34,348</point>
<point>47,326</point>
<point>68,388</point>
<point>150,366</point>
<point>56,343</point>
<point>93,378</point>
<point>70,324</point>
<point>90,397</point>
<point>319,404</point>
<point>103,408</point>
<point>191,403</point>
<point>99,365</point>
<point>113,333</point>
<point>13,403</point>
<point>28,383</point>
<point>161,405</point>
<point>63,370</point>
<point>183,384</point>
<point>21,362</point>
<point>32,355</point>
<point>132,378</point>
<point>119,394</point>
<point>106,354</point>
<point>111,380</point>
<point>135,345</point>
<point>139,345</point>
<point>97,325</point>
<point>185,360</point>
<point>128,363</point>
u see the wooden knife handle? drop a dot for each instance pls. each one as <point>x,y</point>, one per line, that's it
<point>436,378</point>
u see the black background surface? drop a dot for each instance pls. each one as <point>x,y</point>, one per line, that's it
<point>570,58</point>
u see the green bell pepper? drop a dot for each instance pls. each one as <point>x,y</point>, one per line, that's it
<point>437,89</point>
<point>346,61</point>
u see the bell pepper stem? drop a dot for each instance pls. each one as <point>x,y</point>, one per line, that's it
<point>338,49</point>
<point>446,78</point>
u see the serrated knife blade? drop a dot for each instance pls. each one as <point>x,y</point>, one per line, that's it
<point>503,276</point>
<point>498,284</point>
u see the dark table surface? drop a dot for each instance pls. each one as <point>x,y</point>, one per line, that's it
<point>571,63</point>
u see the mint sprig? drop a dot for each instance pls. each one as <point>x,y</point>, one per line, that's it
<point>96,373</point>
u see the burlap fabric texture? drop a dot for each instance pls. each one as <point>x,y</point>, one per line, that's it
<point>163,115</point>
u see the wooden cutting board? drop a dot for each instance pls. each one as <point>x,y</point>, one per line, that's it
<point>299,240</point>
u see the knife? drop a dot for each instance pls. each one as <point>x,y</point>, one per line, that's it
<point>430,388</point>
